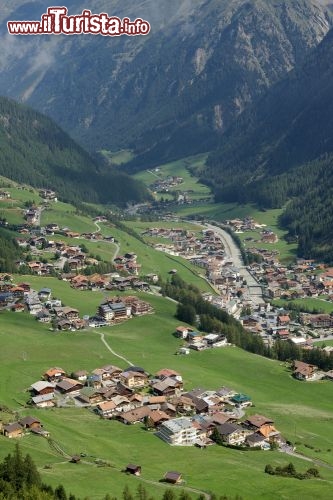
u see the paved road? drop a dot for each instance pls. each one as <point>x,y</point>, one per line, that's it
<point>233,252</point>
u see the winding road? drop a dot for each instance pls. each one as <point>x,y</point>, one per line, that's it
<point>233,252</point>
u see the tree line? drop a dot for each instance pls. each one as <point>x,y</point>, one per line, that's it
<point>196,311</point>
<point>20,480</point>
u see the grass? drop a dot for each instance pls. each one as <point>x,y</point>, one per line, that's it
<point>181,168</point>
<point>307,304</point>
<point>65,215</point>
<point>302,411</point>
<point>117,157</point>
<point>86,301</point>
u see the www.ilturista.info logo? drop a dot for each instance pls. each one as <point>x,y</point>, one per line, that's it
<point>57,22</point>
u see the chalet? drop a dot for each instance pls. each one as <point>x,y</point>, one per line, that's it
<point>106,409</point>
<point>167,387</point>
<point>133,469</point>
<point>232,433</point>
<point>43,400</point>
<point>109,372</point>
<point>257,440</point>
<point>140,307</point>
<point>182,332</point>
<point>156,417</point>
<point>29,423</point>
<point>183,405</point>
<point>67,312</point>
<point>320,321</point>
<point>200,405</point>
<point>54,374</point>
<point>134,416</point>
<point>255,422</point>
<point>304,371</point>
<point>89,396</point>
<point>64,324</point>
<point>114,311</point>
<point>123,404</point>
<point>12,430</point>
<point>132,379</point>
<point>173,477</point>
<point>68,385</point>
<point>41,388</point>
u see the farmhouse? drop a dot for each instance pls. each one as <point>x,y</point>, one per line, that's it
<point>304,371</point>
<point>68,385</point>
<point>29,423</point>
<point>106,409</point>
<point>12,430</point>
<point>54,374</point>
<point>41,388</point>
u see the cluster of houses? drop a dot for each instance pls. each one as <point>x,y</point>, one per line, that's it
<point>208,253</point>
<point>167,184</point>
<point>159,401</point>
<point>115,309</point>
<point>48,194</point>
<point>108,282</point>
<point>40,304</point>
<point>198,341</point>
<point>22,427</point>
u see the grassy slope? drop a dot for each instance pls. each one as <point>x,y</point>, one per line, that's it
<point>148,341</point>
<point>179,168</point>
<point>12,208</point>
<point>309,303</point>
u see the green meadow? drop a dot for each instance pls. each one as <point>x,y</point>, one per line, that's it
<point>302,411</point>
<point>184,168</point>
<point>66,215</point>
<point>306,304</point>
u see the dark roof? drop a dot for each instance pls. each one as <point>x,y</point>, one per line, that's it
<point>28,421</point>
<point>12,427</point>
<point>199,403</point>
<point>255,438</point>
<point>133,467</point>
<point>172,476</point>
<point>226,429</point>
<point>258,420</point>
<point>134,369</point>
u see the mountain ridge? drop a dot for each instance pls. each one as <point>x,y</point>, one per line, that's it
<point>169,94</point>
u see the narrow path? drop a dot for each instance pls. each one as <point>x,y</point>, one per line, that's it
<point>98,227</point>
<point>315,461</point>
<point>112,351</point>
<point>115,244</point>
<point>57,448</point>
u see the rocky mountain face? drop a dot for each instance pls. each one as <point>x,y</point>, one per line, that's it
<point>171,93</point>
<point>281,149</point>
